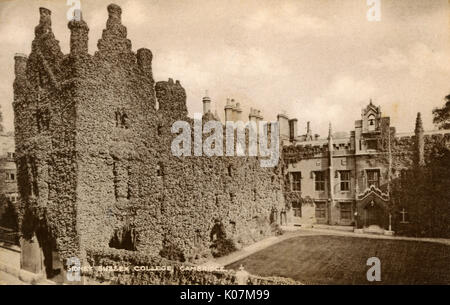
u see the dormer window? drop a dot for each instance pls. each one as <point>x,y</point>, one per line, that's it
<point>371,122</point>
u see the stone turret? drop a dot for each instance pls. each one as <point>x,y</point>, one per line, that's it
<point>46,54</point>
<point>20,69</point>
<point>45,22</point>
<point>144,61</point>
<point>114,38</point>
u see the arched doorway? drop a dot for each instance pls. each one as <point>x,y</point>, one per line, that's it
<point>372,209</point>
<point>374,215</point>
<point>38,248</point>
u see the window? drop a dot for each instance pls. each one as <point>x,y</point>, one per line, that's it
<point>297,208</point>
<point>373,178</point>
<point>346,210</point>
<point>11,155</point>
<point>320,180</point>
<point>159,169</point>
<point>12,197</point>
<point>10,176</point>
<point>372,144</point>
<point>296,181</point>
<point>43,119</point>
<point>371,122</point>
<point>345,181</point>
<point>121,119</point>
<point>320,210</point>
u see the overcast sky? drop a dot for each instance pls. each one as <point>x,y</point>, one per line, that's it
<point>320,61</point>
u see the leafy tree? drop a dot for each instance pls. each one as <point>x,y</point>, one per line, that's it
<point>441,116</point>
<point>425,193</point>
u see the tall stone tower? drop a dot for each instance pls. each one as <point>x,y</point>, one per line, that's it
<point>95,168</point>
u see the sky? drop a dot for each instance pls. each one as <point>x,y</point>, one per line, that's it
<point>315,60</point>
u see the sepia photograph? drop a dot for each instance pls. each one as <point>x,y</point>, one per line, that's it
<point>225,144</point>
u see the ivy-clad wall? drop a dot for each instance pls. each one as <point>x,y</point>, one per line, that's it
<point>95,167</point>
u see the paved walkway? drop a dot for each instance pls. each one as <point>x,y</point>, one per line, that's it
<point>9,279</point>
<point>330,231</point>
<point>295,231</point>
<point>10,258</point>
<point>253,248</point>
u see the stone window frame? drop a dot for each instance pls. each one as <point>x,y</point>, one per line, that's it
<point>344,210</point>
<point>297,208</point>
<point>347,182</point>
<point>11,176</point>
<point>159,169</point>
<point>13,197</point>
<point>372,146</point>
<point>320,212</point>
<point>296,185</point>
<point>371,122</point>
<point>122,119</point>
<point>377,181</point>
<point>11,155</point>
<point>319,185</point>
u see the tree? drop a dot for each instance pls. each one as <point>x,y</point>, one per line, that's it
<point>425,192</point>
<point>441,116</point>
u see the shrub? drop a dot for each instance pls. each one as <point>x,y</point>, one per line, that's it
<point>276,229</point>
<point>222,247</point>
<point>171,252</point>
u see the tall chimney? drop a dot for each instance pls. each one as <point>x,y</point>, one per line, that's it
<point>228,111</point>
<point>78,34</point>
<point>206,103</point>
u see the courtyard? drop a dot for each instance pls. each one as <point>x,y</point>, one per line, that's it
<point>334,259</point>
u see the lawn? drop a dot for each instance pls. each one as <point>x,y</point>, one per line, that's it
<point>324,259</point>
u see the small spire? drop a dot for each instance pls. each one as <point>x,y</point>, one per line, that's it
<point>419,124</point>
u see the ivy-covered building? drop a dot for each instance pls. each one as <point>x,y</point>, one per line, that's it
<point>345,179</point>
<point>8,173</point>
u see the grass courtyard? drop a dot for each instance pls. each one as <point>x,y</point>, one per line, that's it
<point>326,259</point>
